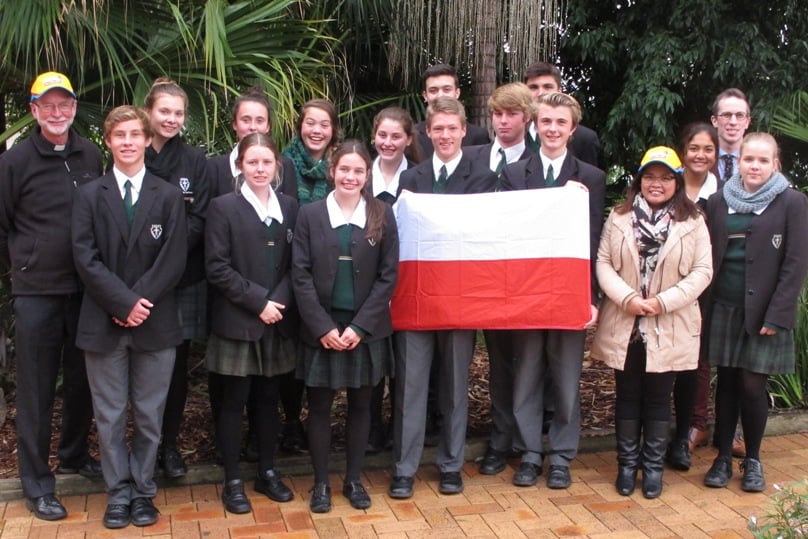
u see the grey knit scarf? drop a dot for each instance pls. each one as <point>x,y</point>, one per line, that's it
<point>744,202</point>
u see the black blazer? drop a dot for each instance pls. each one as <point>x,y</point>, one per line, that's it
<point>475,135</point>
<point>190,175</point>
<point>238,271</point>
<point>222,181</point>
<point>529,174</point>
<point>315,255</point>
<point>468,177</point>
<point>776,257</point>
<point>585,145</point>
<point>119,266</point>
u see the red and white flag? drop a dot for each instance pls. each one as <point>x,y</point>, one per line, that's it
<point>506,260</point>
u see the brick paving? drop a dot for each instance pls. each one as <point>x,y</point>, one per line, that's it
<point>490,506</point>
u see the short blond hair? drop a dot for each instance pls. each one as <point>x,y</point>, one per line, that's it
<point>513,96</point>
<point>446,105</point>
<point>559,99</point>
<point>124,113</point>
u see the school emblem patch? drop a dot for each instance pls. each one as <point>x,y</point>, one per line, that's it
<point>372,242</point>
<point>156,231</point>
<point>185,184</point>
<point>289,235</point>
<point>777,240</point>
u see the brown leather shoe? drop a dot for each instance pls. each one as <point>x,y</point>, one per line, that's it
<point>696,438</point>
<point>738,447</point>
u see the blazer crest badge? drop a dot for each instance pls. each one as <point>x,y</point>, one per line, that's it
<point>185,184</point>
<point>777,240</point>
<point>156,231</point>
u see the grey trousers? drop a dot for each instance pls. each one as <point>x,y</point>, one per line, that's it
<point>122,378</point>
<point>557,355</point>
<point>414,354</point>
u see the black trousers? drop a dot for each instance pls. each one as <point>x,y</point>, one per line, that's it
<point>45,329</point>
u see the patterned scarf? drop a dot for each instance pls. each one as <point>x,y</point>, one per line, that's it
<point>310,174</point>
<point>651,229</point>
<point>742,201</point>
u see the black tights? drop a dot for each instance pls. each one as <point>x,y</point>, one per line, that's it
<point>639,394</point>
<point>741,391</point>
<point>177,395</point>
<point>356,431</point>
<point>684,400</point>
<point>233,394</point>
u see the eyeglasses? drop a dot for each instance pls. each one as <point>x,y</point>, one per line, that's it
<point>650,178</point>
<point>727,116</point>
<point>49,108</point>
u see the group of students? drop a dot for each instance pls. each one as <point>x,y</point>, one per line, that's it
<point>299,251</point>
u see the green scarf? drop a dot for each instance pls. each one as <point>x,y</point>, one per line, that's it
<point>312,184</point>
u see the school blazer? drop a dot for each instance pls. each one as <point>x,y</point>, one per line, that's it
<point>529,174</point>
<point>119,264</point>
<point>315,254</point>
<point>222,181</point>
<point>776,257</point>
<point>468,177</point>
<point>238,270</point>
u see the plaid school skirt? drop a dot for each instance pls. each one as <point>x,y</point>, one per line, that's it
<point>729,344</point>
<point>270,355</point>
<point>365,365</point>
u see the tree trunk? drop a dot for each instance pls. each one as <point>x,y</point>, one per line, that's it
<point>484,72</point>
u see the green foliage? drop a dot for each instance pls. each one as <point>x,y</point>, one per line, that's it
<point>788,514</point>
<point>646,68</point>
<point>215,49</point>
<point>791,390</point>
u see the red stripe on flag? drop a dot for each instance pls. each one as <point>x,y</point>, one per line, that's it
<point>538,293</point>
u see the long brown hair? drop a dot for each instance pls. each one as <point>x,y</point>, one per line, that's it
<point>397,114</point>
<point>375,208</point>
<point>329,108</point>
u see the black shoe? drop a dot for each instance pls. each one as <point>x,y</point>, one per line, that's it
<point>233,497</point>
<point>719,473</point>
<point>401,487</point>
<point>143,512</point>
<point>558,477</point>
<point>356,494</point>
<point>527,475</point>
<point>493,462</point>
<point>46,507</point>
<point>450,483</point>
<point>752,476</point>
<point>116,516</point>
<point>90,468</point>
<point>269,483</point>
<point>172,463</point>
<point>293,439</point>
<point>678,456</point>
<point>320,498</point>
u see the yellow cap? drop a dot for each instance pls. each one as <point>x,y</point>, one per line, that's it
<point>50,81</point>
<point>662,155</point>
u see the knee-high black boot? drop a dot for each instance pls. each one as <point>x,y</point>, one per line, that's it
<point>655,439</point>
<point>628,454</point>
